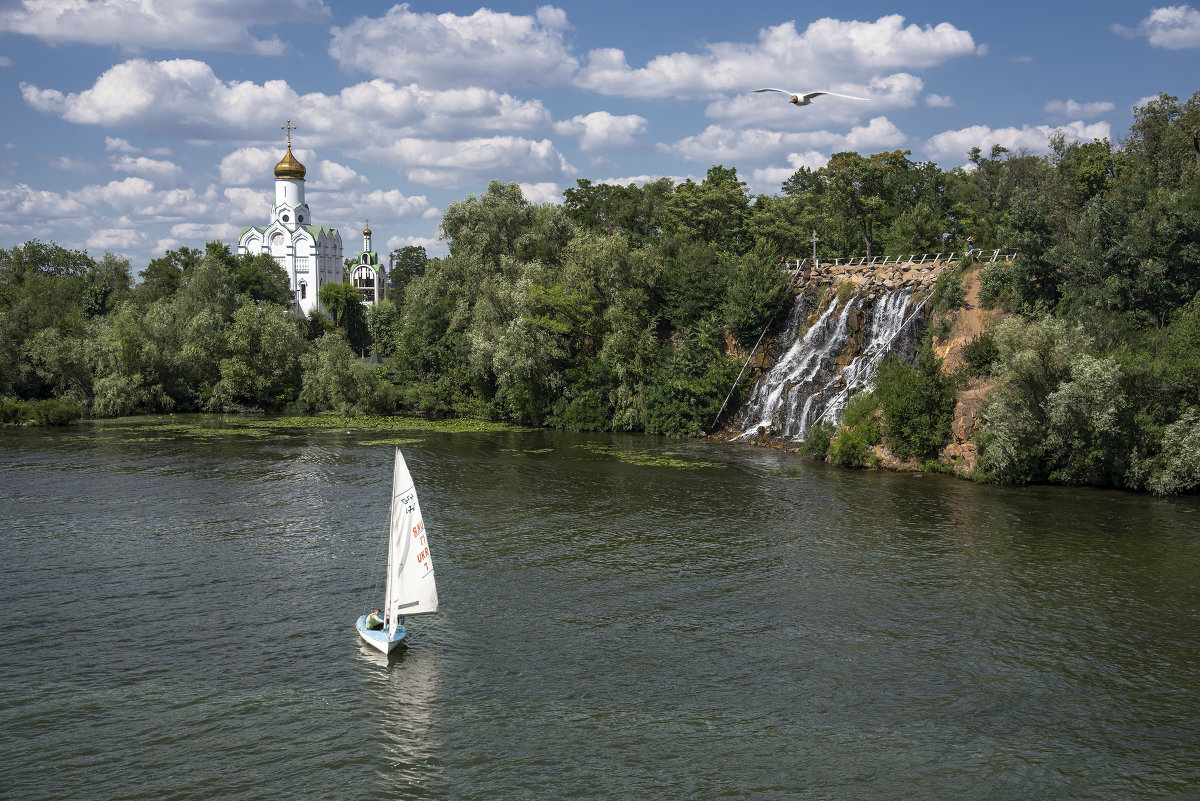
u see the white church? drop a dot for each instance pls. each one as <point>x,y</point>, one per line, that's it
<point>310,254</point>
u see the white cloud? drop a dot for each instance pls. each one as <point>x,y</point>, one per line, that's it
<point>441,50</point>
<point>939,101</point>
<point>391,203</point>
<point>23,203</point>
<point>248,166</point>
<point>769,179</point>
<point>1171,27</point>
<point>184,98</point>
<point>205,232</point>
<point>1070,108</point>
<point>173,24</point>
<point>544,192</point>
<point>602,130</point>
<point>120,145</point>
<point>159,171</point>
<point>453,165</point>
<point>829,52</point>
<point>953,146</point>
<point>331,175</point>
<point>251,205</point>
<point>719,145</point>
<point>116,239</point>
<point>5,61</point>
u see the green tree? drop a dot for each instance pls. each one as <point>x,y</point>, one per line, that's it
<point>335,380</point>
<point>866,190</point>
<point>344,304</point>
<point>407,263</point>
<point>264,346</point>
<point>261,278</point>
<point>163,276</point>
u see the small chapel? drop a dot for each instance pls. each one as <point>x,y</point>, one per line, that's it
<point>368,276</point>
<point>310,254</point>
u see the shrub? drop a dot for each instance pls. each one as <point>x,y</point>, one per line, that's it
<point>816,444</point>
<point>850,448</point>
<point>917,403</point>
<point>50,412</point>
<point>949,293</point>
<point>980,353</point>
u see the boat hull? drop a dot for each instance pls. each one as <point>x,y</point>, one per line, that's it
<point>380,639</point>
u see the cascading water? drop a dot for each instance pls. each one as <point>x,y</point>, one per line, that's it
<point>820,370</point>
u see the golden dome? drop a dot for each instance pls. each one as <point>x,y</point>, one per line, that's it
<point>289,167</point>
<point>367,231</point>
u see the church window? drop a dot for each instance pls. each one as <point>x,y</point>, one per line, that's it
<point>303,290</point>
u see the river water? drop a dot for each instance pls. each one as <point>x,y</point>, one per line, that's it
<point>622,618</point>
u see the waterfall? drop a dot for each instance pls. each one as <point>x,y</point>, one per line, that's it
<point>835,358</point>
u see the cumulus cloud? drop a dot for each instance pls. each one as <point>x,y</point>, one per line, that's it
<point>248,204</point>
<point>1070,108</point>
<point>173,24</point>
<point>332,175</point>
<point>22,203</point>
<point>828,52</point>
<point>161,172</point>
<point>116,239</point>
<point>453,165</point>
<point>443,50</point>
<point>939,101</point>
<point>953,146</point>
<point>543,192</point>
<point>770,179</point>
<point>602,130</point>
<point>1170,27</point>
<point>393,204</point>
<point>720,145</point>
<point>185,98</point>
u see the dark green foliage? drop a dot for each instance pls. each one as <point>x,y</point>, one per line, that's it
<point>949,293</point>
<point>980,353</point>
<point>52,412</point>
<point>261,278</point>
<point>857,433</point>
<point>163,276</point>
<point>917,403</point>
<point>407,263</point>
<point>816,444</point>
<point>688,382</point>
<point>343,302</point>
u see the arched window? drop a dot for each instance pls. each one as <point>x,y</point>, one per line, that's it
<point>303,290</point>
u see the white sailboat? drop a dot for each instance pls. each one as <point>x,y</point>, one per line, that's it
<point>410,586</point>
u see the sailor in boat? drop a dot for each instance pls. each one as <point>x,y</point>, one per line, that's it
<point>374,621</point>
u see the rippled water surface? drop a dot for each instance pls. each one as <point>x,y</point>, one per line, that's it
<point>622,617</point>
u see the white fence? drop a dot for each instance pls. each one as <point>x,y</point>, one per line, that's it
<point>880,261</point>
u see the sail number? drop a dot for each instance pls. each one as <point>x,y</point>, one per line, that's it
<point>423,555</point>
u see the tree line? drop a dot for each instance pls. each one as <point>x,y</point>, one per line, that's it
<point>628,308</point>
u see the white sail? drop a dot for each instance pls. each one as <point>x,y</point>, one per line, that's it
<point>410,585</point>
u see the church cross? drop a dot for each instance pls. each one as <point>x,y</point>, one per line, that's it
<point>289,128</point>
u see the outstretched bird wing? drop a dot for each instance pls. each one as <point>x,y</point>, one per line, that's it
<point>785,91</point>
<point>808,96</point>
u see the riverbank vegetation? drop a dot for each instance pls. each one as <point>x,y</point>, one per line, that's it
<point>630,308</point>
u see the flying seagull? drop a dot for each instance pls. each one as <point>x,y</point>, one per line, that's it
<point>807,97</point>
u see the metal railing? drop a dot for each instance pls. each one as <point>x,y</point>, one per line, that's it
<point>879,261</point>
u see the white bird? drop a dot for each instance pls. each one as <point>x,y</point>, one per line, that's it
<point>807,97</point>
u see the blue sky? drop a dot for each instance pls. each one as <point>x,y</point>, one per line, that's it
<point>138,126</point>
